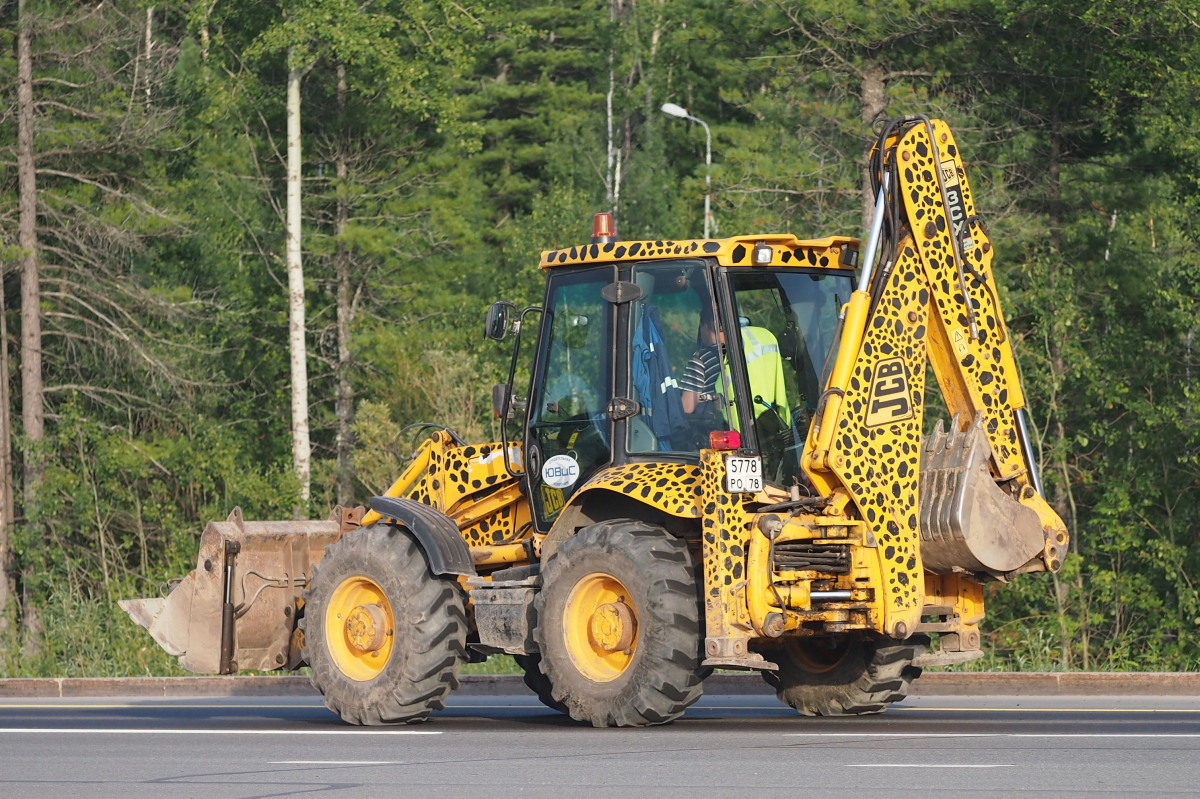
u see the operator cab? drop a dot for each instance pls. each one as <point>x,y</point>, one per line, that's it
<point>662,349</point>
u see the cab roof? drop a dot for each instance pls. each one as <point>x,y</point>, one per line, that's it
<point>832,252</point>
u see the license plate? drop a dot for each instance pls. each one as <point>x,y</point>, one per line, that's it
<point>743,475</point>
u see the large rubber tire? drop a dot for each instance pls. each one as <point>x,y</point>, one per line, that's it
<point>368,583</point>
<point>844,676</point>
<point>619,625</point>
<point>535,681</point>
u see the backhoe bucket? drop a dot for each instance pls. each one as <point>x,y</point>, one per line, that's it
<point>237,609</point>
<point>968,522</point>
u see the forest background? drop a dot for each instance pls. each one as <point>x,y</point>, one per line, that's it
<point>145,321</point>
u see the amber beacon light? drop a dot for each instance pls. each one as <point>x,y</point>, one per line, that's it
<point>603,230</point>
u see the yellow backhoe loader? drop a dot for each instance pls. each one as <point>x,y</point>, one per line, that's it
<point>716,458</point>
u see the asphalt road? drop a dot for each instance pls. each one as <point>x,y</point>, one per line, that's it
<point>485,746</point>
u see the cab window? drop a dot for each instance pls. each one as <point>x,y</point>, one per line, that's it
<point>787,322</point>
<point>569,431</point>
<point>672,329</point>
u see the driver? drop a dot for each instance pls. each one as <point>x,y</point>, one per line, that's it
<point>763,365</point>
<point>703,370</point>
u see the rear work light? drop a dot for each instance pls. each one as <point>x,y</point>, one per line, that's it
<point>725,439</point>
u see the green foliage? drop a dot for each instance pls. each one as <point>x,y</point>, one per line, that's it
<point>121,514</point>
<point>79,635</point>
<point>1103,294</point>
<point>496,664</point>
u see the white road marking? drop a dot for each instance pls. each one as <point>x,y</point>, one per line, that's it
<point>910,709</point>
<point>334,762</point>
<point>991,735</point>
<point>113,731</point>
<point>181,705</point>
<point>929,765</point>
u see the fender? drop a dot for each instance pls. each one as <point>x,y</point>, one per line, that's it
<point>436,533</point>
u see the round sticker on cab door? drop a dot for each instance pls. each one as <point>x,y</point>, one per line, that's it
<point>561,471</point>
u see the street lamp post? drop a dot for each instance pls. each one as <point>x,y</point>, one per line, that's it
<point>678,111</point>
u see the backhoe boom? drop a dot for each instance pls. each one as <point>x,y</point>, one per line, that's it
<point>970,503</point>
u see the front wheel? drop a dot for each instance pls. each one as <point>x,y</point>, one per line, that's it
<point>619,626</point>
<point>383,635</point>
<point>844,676</point>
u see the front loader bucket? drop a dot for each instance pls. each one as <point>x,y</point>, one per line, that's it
<point>968,522</point>
<point>237,609</point>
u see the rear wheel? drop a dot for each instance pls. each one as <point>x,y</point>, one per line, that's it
<point>844,676</point>
<point>619,626</point>
<point>536,681</point>
<point>384,637</point>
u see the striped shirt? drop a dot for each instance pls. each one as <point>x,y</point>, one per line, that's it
<point>702,371</point>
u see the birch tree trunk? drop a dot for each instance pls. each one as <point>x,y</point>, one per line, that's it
<point>301,445</point>
<point>149,48</point>
<point>612,171</point>
<point>205,36</point>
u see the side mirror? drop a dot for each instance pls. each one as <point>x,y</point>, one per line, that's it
<point>499,320</point>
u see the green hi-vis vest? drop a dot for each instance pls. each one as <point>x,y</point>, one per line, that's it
<point>764,368</point>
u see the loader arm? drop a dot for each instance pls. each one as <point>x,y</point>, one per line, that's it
<point>967,501</point>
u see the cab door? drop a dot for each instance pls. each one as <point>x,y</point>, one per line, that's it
<point>569,432</point>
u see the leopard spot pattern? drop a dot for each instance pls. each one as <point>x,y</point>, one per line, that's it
<point>786,250</point>
<point>459,479</point>
<point>725,533</point>
<point>671,487</point>
<point>879,463</point>
<point>987,361</point>
<point>622,251</point>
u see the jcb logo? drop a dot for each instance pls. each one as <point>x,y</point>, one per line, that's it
<point>949,173</point>
<point>891,398</point>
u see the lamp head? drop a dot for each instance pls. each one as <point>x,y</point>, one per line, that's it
<point>674,110</point>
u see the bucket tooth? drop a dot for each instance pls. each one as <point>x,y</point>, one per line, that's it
<point>935,443</point>
<point>968,522</point>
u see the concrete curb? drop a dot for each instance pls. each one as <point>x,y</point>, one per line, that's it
<point>929,684</point>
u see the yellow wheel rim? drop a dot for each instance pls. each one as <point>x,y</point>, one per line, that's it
<point>359,628</point>
<point>600,627</point>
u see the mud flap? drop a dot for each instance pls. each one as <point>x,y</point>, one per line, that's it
<point>237,609</point>
<point>968,523</point>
